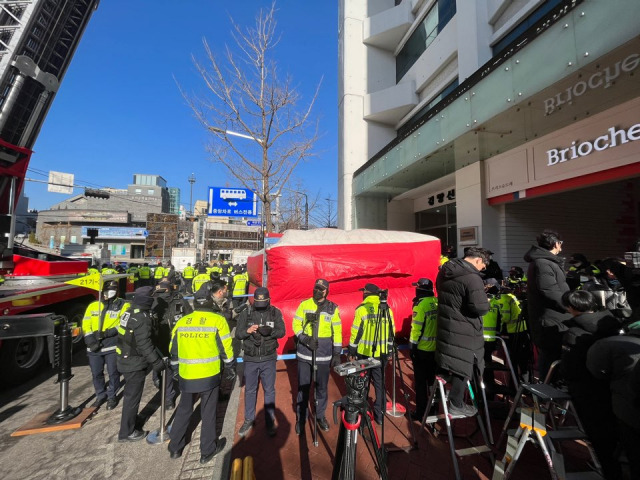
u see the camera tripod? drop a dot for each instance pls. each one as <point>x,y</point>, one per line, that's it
<point>355,418</point>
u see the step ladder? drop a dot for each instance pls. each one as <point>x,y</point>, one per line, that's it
<point>438,387</point>
<point>533,427</point>
<point>507,366</point>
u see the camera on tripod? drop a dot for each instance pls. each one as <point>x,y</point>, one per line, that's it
<point>384,295</point>
<point>356,366</point>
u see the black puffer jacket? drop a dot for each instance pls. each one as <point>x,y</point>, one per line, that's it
<point>545,286</point>
<point>258,347</point>
<point>584,331</point>
<point>461,304</point>
<point>614,359</point>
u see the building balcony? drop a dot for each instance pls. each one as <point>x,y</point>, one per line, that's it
<point>386,29</point>
<point>388,106</point>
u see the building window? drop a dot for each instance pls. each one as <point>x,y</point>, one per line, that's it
<point>138,191</point>
<point>439,222</point>
<point>150,191</point>
<point>417,117</point>
<point>431,25</point>
<point>523,26</point>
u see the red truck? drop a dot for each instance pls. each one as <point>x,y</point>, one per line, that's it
<point>41,39</point>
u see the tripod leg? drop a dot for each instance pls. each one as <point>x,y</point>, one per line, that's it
<point>405,395</point>
<point>378,450</point>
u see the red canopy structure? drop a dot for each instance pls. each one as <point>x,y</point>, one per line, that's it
<point>348,260</point>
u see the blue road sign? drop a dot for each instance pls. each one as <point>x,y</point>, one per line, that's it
<point>254,223</point>
<point>232,202</point>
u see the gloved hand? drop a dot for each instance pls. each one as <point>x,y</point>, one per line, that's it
<point>94,347</point>
<point>413,353</point>
<point>111,332</point>
<point>265,330</point>
<point>240,308</point>
<point>99,335</point>
<point>353,351</point>
<point>335,360</point>
<point>311,343</point>
<point>230,373</point>
<point>158,366</point>
<point>176,372</point>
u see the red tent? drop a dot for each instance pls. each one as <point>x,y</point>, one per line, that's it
<point>348,260</point>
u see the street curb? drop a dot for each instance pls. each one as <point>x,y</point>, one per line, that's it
<point>222,469</point>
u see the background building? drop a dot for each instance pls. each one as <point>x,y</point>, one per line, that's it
<point>174,200</point>
<point>119,216</point>
<point>485,122</point>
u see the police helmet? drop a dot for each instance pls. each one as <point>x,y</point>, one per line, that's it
<point>110,285</point>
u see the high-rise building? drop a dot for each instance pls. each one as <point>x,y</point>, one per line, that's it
<point>483,123</point>
<point>174,200</point>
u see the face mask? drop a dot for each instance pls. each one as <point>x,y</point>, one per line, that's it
<point>318,294</point>
<point>263,307</point>
<point>109,294</point>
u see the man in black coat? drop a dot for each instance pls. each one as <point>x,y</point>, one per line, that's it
<point>136,352</point>
<point>616,360</point>
<point>591,396</point>
<point>462,302</point>
<point>546,283</point>
<point>259,328</point>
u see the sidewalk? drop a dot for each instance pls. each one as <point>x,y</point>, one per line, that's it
<point>93,451</point>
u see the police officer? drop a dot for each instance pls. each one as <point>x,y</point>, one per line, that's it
<point>363,339</point>
<point>144,272</point>
<point>200,279</point>
<point>491,325</point>
<point>99,325</point>
<point>187,274</point>
<point>133,275</point>
<point>108,270</point>
<point>136,352</point>
<point>159,273</point>
<point>424,326</point>
<point>240,283</point>
<point>327,346</point>
<point>259,328</point>
<point>199,342</point>
<point>169,307</point>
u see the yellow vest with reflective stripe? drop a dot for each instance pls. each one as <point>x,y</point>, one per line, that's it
<point>198,335</point>
<point>424,324</point>
<point>144,272</point>
<point>490,321</point>
<point>329,326</point>
<point>188,272</point>
<point>199,280</point>
<point>364,327</point>
<point>240,284</point>
<point>160,272</point>
<point>510,313</point>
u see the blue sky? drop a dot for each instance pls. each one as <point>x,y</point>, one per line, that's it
<point>119,110</point>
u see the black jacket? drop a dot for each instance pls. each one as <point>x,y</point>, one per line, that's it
<point>461,304</point>
<point>584,330</point>
<point>168,309</point>
<point>546,283</point>
<point>614,359</point>
<point>258,347</point>
<point>136,350</point>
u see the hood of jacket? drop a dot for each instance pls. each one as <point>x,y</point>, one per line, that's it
<point>457,268</point>
<point>537,253</point>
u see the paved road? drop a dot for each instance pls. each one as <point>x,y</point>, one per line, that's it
<point>93,452</point>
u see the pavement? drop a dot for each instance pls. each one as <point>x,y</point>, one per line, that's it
<point>93,452</point>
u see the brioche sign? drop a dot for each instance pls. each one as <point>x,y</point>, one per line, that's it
<point>611,139</point>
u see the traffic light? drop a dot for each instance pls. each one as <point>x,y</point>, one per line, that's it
<point>95,193</point>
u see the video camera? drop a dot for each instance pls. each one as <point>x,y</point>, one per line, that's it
<point>310,318</point>
<point>356,375</point>
<point>384,295</point>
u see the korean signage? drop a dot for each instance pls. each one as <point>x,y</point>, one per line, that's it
<point>117,232</point>
<point>232,202</point>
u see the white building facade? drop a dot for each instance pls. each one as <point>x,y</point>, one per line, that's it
<point>484,122</point>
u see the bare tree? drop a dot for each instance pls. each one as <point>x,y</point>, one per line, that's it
<point>246,98</point>
<point>325,214</point>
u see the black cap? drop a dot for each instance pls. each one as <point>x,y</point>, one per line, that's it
<point>143,297</point>
<point>371,288</point>
<point>424,284</point>
<point>491,281</point>
<point>261,297</point>
<point>322,283</point>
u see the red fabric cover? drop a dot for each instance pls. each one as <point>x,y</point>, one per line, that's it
<point>293,269</point>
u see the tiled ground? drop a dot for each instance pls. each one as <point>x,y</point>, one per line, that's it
<point>289,457</point>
